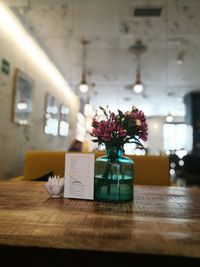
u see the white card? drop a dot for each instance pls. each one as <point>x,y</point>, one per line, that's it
<point>79,175</point>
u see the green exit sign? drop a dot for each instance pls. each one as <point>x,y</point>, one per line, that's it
<point>5,66</point>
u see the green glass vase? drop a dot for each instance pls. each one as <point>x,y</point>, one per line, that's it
<point>114,174</point>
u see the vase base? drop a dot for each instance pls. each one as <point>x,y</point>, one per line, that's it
<point>113,180</point>
<point>113,193</point>
<point>113,201</point>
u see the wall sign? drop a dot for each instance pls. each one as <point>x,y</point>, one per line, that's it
<point>5,66</point>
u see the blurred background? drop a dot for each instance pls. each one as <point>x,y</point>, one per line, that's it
<point>62,59</point>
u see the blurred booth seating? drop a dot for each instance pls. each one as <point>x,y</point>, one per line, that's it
<point>40,164</point>
<point>149,170</point>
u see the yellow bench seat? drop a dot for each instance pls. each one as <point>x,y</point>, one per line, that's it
<point>148,169</point>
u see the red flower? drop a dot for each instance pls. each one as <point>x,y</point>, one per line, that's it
<point>121,128</point>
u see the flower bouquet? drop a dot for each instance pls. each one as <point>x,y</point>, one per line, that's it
<point>113,172</point>
<point>119,129</point>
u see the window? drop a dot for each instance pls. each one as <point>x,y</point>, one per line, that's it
<point>51,115</point>
<point>177,136</point>
<point>64,124</point>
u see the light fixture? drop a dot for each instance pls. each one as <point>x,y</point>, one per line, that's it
<point>169,118</point>
<point>138,48</point>
<point>179,61</point>
<point>88,110</point>
<point>138,86</point>
<point>180,57</point>
<point>83,87</point>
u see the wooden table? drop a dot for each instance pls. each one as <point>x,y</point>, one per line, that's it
<point>162,223</point>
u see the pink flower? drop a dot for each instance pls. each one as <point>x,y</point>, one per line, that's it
<point>121,128</point>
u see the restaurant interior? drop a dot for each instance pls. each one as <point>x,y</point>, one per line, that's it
<point>75,56</point>
<point>62,60</point>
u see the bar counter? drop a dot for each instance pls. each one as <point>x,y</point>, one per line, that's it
<point>162,224</point>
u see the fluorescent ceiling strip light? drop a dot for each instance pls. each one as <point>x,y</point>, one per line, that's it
<point>15,30</point>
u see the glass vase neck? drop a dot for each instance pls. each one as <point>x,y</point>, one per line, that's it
<point>114,152</point>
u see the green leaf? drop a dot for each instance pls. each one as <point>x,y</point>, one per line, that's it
<point>100,107</point>
<point>104,111</point>
<point>95,140</point>
<point>120,112</point>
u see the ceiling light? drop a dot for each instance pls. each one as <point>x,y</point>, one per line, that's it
<point>88,110</point>
<point>179,61</point>
<point>83,87</point>
<point>169,118</point>
<point>180,57</point>
<point>138,87</point>
<point>138,48</point>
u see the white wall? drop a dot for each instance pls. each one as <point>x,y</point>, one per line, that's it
<point>15,139</point>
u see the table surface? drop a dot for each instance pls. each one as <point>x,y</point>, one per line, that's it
<point>160,221</point>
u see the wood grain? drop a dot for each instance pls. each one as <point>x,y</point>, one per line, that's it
<point>160,221</point>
